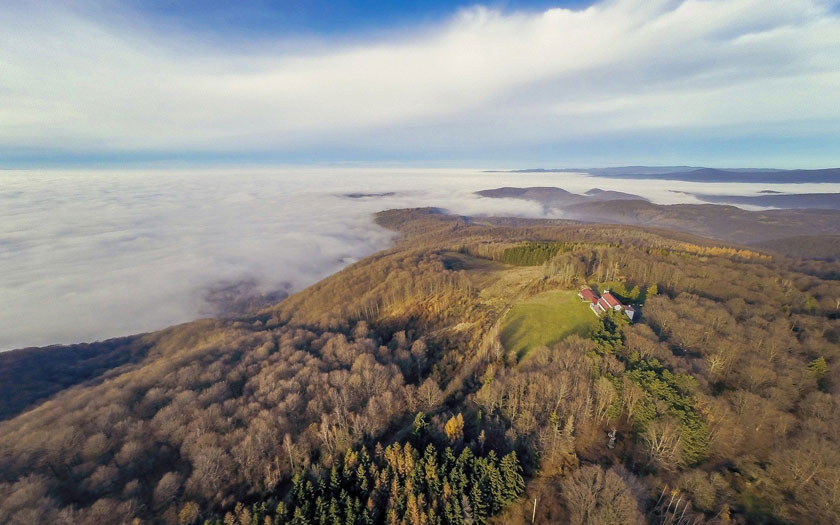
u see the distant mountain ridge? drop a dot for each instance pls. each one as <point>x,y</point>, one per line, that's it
<point>719,221</point>
<point>696,174</point>
<point>716,175</point>
<point>824,201</point>
<point>618,170</point>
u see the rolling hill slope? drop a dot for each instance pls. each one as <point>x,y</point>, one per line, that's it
<point>337,401</point>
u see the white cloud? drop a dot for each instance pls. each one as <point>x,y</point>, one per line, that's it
<point>72,79</point>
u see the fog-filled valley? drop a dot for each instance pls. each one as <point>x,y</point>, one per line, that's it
<point>102,254</point>
<point>87,255</point>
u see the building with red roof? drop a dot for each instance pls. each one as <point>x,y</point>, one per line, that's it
<point>603,305</point>
<point>611,300</point>
<point>586,294</point>
<point>606,302</point>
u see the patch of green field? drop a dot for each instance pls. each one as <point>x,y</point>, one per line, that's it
<point>545,319</point>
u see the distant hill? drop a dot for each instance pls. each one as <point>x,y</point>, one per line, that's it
<point>825,201</point>
<point>691,174</point>
<point>819,247</point>
<point>713,220</point>
<point>557,197</point>
<point>663,170</point>
<point>765,176</point>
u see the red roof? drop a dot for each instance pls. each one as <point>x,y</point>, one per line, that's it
<point>611,300</point>
<point>604,304</point>
<point>588,294</point>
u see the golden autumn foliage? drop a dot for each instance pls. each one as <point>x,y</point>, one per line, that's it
<point>455,428</point>
<point>721,251</point>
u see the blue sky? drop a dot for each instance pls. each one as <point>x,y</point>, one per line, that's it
<point>498,84</point>
<point>296,17</point>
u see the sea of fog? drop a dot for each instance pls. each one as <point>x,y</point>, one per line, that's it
<point>90,255</point>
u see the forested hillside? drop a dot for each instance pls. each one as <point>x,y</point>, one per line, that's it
<point>384,394</point>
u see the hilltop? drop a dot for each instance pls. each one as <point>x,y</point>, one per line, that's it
<point>400,387</point>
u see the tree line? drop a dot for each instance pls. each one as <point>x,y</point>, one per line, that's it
<point>396,484</point>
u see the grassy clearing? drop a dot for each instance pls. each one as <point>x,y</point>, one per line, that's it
<point>545,319</point>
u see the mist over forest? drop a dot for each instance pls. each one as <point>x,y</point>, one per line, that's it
<point>104,254</point>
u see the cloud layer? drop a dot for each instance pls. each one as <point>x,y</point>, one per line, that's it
<point>84,79</point>
<point>93,254</point>
<point>90,255</point>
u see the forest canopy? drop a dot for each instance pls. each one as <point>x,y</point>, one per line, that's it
<point>384,394</point>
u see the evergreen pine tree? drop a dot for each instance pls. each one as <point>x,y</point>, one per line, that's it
<point>398,486</point>
<point>335,481</point>
<point>513,483</point>
<point>466,511</point>
<point>334,511</point>
<point>364,458</point>
<point>479,504</point>
<point>299,517</point>
<point>431,474</point>
<point>419,424</point>
<point>448,460</point>
<point>496,488</point>
<point>298,485</point>
<point>321,510</point>
<point>362,479</point>
<point>452,512</point>
<point>349,510</point>
<point>367,517</point>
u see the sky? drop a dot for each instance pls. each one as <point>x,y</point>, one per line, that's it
<point>723,83</point>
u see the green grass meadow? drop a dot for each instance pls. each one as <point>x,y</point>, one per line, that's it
<point>545,319</point>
